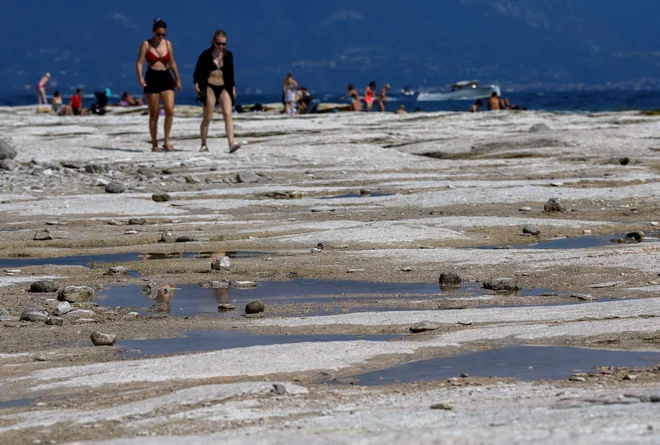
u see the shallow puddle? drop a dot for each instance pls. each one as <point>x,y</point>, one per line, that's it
<point>520,362</point>
<point>114,258</point>
<point>192,299</point>
<point>358,195</point>
<point>16,403</point>
<point>199,341</point>
<point>579,242</point>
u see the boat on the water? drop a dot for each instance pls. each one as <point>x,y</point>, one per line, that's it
<point>465,90</point>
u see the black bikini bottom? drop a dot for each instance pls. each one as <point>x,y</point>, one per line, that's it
<point>217,92</point>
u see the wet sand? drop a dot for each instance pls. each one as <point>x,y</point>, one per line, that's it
<point>346,200</point>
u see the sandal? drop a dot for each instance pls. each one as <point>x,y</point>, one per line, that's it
<point>156,149</point>
<point>235,146</point>
<point>204,149</point>
<point>168,147</point>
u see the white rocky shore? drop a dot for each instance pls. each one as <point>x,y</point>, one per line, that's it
<point>435,187</point>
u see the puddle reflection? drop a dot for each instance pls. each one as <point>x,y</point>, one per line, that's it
<point>520,362</point>
<point>579,242</point>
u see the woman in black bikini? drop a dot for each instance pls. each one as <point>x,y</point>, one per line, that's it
<point>159,83</point>
<point>214,83</point>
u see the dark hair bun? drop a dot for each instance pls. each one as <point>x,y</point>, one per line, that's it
<point>158,23</point>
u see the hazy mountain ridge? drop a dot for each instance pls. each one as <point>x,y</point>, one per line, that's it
<point>549,42</point>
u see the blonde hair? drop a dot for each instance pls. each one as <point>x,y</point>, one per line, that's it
<point>219,33</point>
<point>47,74</point>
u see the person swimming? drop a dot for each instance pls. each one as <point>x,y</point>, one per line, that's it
<point>356,103</point>
<point>214,83</point>
<point>369,95</point>
<point>159,83</point>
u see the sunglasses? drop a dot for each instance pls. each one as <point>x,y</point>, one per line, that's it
<point>161,34</point>
<point>216,43</point>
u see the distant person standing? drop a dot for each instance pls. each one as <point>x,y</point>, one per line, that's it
<point>289,87</point>
<point>494,102</point>
<point>356,103</point>
<point>159,84</point>
<point>41,89</point>
<point>214,83</point>
<point>382,97</point>
<point>369,93</point>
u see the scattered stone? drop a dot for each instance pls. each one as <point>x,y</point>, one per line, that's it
<point>94,169</point>
<point>501,285</point>
<point>556,184</point>
<point>424,326</point>
<point>655,223</point>
<point>102,182</point>
<point>84,321</point>
<point>76,294</point>
<point>280,389</point>
<point>525,209</point>
<point>112,222</point>
<point>133,315</point>
<point>450,278</point>
<point>532,230</point>
<point>586,232</point>
<point>100,339</point>
<point>34,316</point>
<point>55,321</point>
<point>43,235</point>
<point>166,237</point>
<point>192,180</point>
<point>243,284</point>
<point>224,284</point>
<point>406,269</point>
<point>316,250</point>
<point>540,128</point>
<point>629,377</point>
<point>7,151</point>
<point>64,307</point>
<point>606,285</point>
<point>42,287</point>
<point>9,165</point>
<point>161,197</point>
<point>554,205</point>
<point>584,297</point>
<point>624,161</point>
<point>443,406</point>
<point>186,239</point>
<point>465,323</point>
<point>223,263</point>
<point>226,307</point>
<point>635,237</point>
<point>131,232</point>
<point>137,221</point>
<point>115,187</point>
<point>255,307</point>
<point>117,270</point>
<point>577,379</point>
<point>355,270</point>
<point>247,177</point>
<point>80,314</point>
<point>365,192</point>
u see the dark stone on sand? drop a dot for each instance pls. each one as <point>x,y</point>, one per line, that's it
<point>186,239</point>
<point>94,169</point>
<point>450,278</point>
<point>7,151</point>
<point>540,128</point>
<point>635,237</point>
<point>73,165</point>
<point>161,197</point>
<point>255,307</point>
<point>624,161</point>
<point>365,192</point>
<point>226,307</point>
<point>115,187</point>
<point>35,316</point>
<point>192,180</point>
<point>532,230</point>
<point>55,321</point>
<point>554,205</point>
<point>137,221</point>
<point>42,287</point>
<point>501,285</point>
<point>247,177</point>
<point>100,339</point>
<point>76,294</point>
<point>43,235</point>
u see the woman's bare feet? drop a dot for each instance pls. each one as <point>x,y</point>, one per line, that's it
<point>156,149</point>
<point>168,147</point>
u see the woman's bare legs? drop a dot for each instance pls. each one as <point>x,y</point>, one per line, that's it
<point>167,97</point>
<point>41,96</point>
<point>152,102</point>
<point>209,106</point>
<point>225,104</point>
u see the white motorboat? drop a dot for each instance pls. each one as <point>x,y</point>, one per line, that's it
<point>465,90</point>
